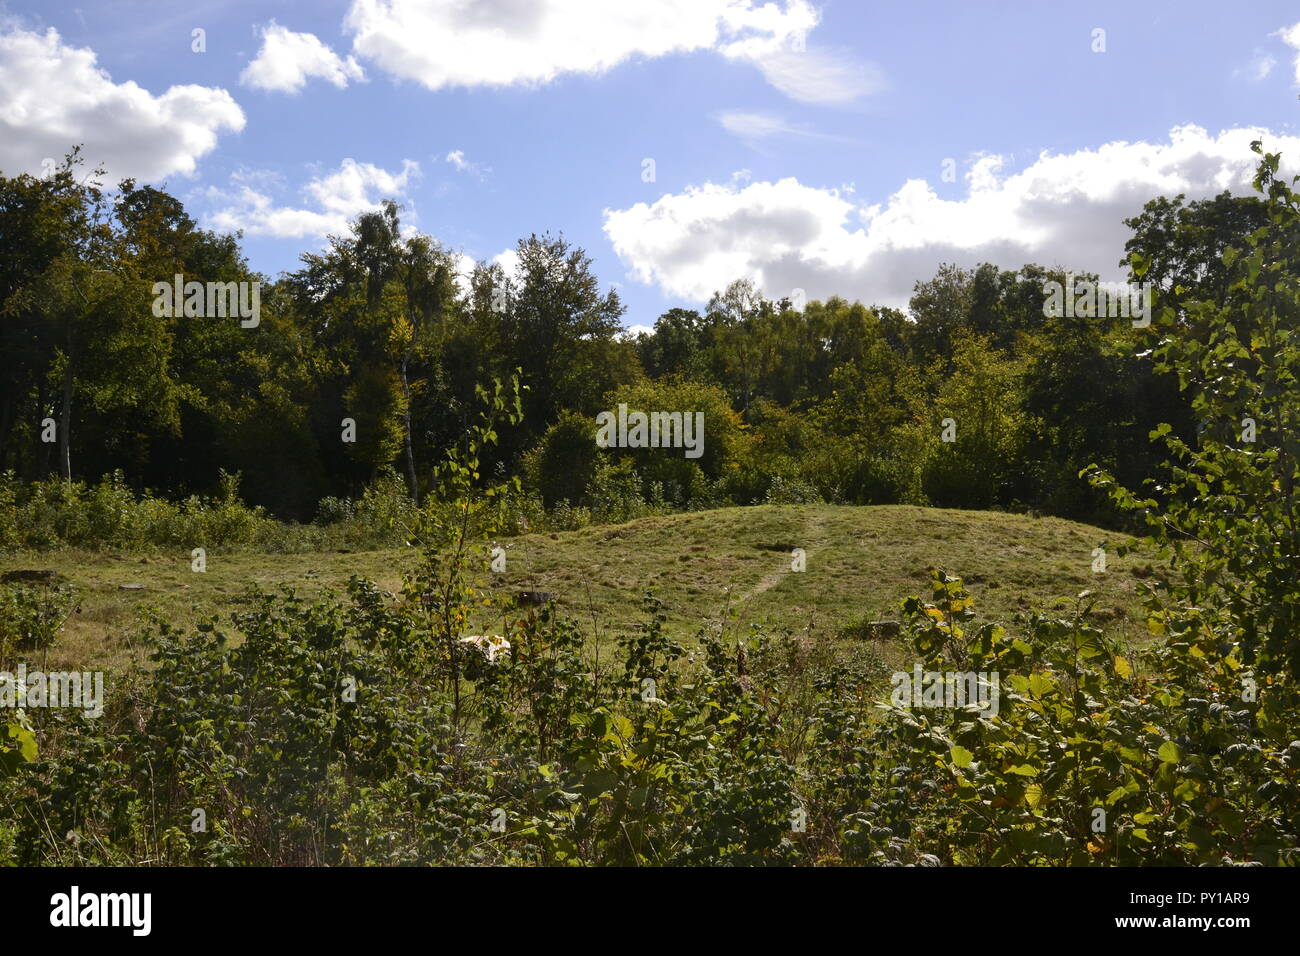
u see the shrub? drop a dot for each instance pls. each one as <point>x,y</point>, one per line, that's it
<point>792,492</point>
<point>563,464</point>
<point>32,617</point>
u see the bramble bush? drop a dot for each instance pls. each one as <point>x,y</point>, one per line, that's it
<point>350,730</point>
<point>1178,757</point>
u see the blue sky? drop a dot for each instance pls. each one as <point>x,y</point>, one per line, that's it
<point>802,145</point>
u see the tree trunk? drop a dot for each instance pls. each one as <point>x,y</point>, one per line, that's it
<point>410,451</point>
<point>65,424</point>
<point>6,426</point>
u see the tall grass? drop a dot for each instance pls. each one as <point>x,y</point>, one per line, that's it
<point>110,516</point>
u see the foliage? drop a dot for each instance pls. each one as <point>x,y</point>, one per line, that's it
<point>32,616</point>
<point>376,335</point>
<point>1093,758</point>
<point>1226,512</point>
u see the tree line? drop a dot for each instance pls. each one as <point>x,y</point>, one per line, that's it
<point>365,360</point>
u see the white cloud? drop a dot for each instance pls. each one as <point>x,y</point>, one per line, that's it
<point>1258,69</point>
<point>821,76</point>
<point>507,259</point>
<point>632,331</point>
<point>287,60</point>
<point>339,197</point>
<point>441,43</point>
<point>1065,210</point>
<point>54,96</point>
<point>462,165</point>
<point>806,73</point>
<point>1291,37</point>
<point>465,265</point>
<point>463,271</point>
<point>753,127</point>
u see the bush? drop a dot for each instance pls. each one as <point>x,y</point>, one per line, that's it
<point>1092,758</point>
<point>331,510</point>
<point>349,731</point>
<point>564,462</point>
<point>725,442</point>
<point>32,617</point>
<point>783,492</point>
<point>53,513</point>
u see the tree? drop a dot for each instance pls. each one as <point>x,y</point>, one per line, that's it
<point>1091,395</point>
<point>738,335</point>
<point>678,346</point>
<point>982,398</point>
<point>1226,512</point>
<point>419,271</point>
<point>556,326</point>
<point>1183,243</point>
<point>43,221</point>
<point>80,313</point>
<point>376,304</point>
<point>940,307</point>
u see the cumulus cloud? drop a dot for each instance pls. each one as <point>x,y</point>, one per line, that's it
<point>1065,210</point>
<point>54,96</point>
<point>335,199</point>
<point>507,259</point>
<point>465,264</point>
<point>287,60</point>
<point>1291,37</point>
<point>441,43</point>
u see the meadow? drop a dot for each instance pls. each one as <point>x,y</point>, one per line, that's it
<point>725,565</point>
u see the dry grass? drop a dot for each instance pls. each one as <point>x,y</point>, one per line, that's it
<point>861,562</point>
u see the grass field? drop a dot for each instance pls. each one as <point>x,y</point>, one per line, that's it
<point>860,562</point>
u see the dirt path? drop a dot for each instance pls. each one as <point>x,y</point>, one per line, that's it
<point>811,540</point>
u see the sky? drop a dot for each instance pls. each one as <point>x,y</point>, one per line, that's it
<point>842,147</point>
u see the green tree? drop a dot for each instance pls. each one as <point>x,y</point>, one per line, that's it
<point>982,398</point>
<point>1226,511</point>
<point>1183,243</point>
